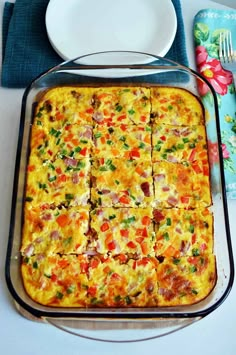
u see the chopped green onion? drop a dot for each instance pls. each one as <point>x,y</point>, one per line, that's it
<point>118,108</point>
<point>141,145</point>
<point>195,252</point>
<point>35,265</point>
<point>168,221</point>
<point>52,178</point>
<point>69,196</point>
<point>112,216</point>
<point>191,228</point>
<point>59,295</point>
<point>29,198</point>
<point>193,268</point>
<point>166,236</point>
<point>131,111</point>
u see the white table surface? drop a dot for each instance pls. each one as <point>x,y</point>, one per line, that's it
<point>215,334</point>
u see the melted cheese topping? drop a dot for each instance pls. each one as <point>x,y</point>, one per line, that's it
<point>116,199</point>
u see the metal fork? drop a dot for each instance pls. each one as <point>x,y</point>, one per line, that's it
<point>227,55</point>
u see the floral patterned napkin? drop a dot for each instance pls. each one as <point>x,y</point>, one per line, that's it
<point>208,23</point>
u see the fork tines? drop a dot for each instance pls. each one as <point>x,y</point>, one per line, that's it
<point>226,52</point>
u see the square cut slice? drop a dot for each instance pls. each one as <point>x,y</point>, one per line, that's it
<point>180,232</point>
<point>56,230</point>
<point>179,144</point>
<point>121,183</point>
<point>176,106</point>
<point>65,105</point>
<point>121,105</point>
<point>126,142</point>
<point>70,141</point>
<point>178,185</point>
<point>63,182</point>
<point>186,280</point>
<point>116,284</point>
<point>57,281</point>
<point>126,231</point>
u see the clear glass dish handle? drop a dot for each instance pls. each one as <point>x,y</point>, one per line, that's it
<point>121,331</point>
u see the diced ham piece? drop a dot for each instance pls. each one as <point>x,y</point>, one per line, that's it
<point>158,216</point>
<point>70,162</point>
<point>172,200</point>
<point>146,189</point>
<point>29,250</point>
<point>87,133</point>
<point>40,257</point>
<point>114,197</point>
<point>165,188</point>
<point>98,116</point>
<point>47,216</point>
<point>172,159</point>
<point>75,178</point>
<point>105,191</point>
<point>54,235</point>
<point>159,177</point>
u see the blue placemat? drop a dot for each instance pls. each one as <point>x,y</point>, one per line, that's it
<point>27,51</point>
<point>208,24</point>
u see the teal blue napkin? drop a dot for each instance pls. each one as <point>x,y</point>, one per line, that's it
<point>208,23</point>
<point>27,52</point>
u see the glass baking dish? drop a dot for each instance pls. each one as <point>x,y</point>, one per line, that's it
<point>121,324</point>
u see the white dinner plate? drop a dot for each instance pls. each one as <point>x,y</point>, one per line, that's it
<point>80,27</point>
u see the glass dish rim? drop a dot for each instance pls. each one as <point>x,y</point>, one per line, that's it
<point>109,313</point>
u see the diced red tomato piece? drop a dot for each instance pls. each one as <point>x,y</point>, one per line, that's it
<point>120,118</point>
<point>59,116</point>
<point>83,151</point>
<point>94,263</point>
<point>134,154</point>
<point>63,263</point>
<point>92,290</point>
<point>197,168</point>
<point>139,240</point>
<point>124,199</point>
<point>192,260</point>
<point>193,154</point>
<point>61,178</point>
<point>58,170</point>
<point>84,267</point>
<point>194,237</point>
<point>115,276</point>
<point>90,110</point>
<point>111,245</point>
<point>124,233</point>
<point>144,248</point>
<point>184,199</point>
<point>31,168</point>
<point>107,269</point>
<point>131,245</point>
<point>122,258</point>
<point>145,233</point>
<point>54,278</point>
<point>63,220</point>
<point>104,227</point>
<point>144,261</point>
<point>146,220</point>
<point>123,127</point>
<point>158,216</point>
